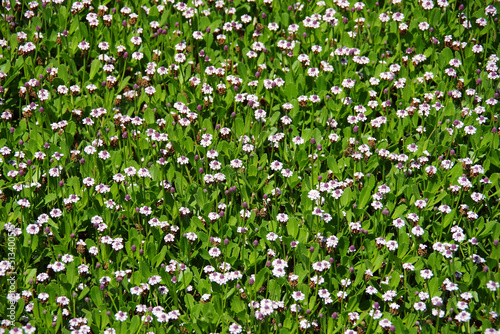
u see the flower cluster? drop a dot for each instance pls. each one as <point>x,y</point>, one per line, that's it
<point>246,166</point>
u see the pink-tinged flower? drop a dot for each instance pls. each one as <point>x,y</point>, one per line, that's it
<point>417,231</point>
<point>426,274</point>
<point>136,40</point>
<point>492,285</point>
<point>314,99</point>
<point>377,205</point>
<point>282,218</point>
<point>214,252</point>
<point>420,204</point>
<point>43,95</point>
<point>179,58</point>
<point>33,229</point>
<point>314,195</point>
<point>463,316</point>
<point>144,172</point>
<point>104,155</point>
<point>348,83</point>
<point>427,4</point>
<point>408,266</point>
<point>24,203</point>
<point>153,280</point>
<point>279,272</point>
<point>84,46</point>
<point>276,165</point>
<point>55,213</point>
<point>58,266</point>
<point>145,210</point>
<point>182,160</point>
<point>286,172</point>
<point>88,182</point>
<point>298,296</point>
<point>121,316</point>
<point>420,306</point>
<point>234,328</point>
<point>398,223</point>
<point>102,188</point>
<point>337,193</point>
<point>470,130</point>
<point>392,245</point>
<point>298,140</point>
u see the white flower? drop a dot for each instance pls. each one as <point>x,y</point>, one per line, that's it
<point>182,160</point>
<point>463,316</point>
<point>282,217</point>
<point>298,296</point>
<point>492,285</point>
<point>33,229</point>
<point>235,328</point>
<point>426,274</point>
<point>419,306</point>
<point>313,195</point>
<point>214,252</point>
<point>121,316</point>
<point>276,165</point>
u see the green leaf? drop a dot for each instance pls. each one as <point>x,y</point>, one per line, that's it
<point>404,244</point>
<point>346,197</point>
<point>237,304</point>
<point>302,158</point>
<point>94,68</point>
<point>123,84</point>
<point>160,257</point>
<point>333,165</point>
<point>59,319</point>
<point>50,197</point>
<point>189,300</point>
<point>144,269</point>
<point>185,279</point>
<point>96,295</point>
<point>134,325</point>
<point>365,195</point>
<point>260,278</point>
<point>149,116</point>
<point>290,89</point>
<point>292,227</point>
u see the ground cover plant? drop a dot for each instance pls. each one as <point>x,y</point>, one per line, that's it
<point>249,166</point>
